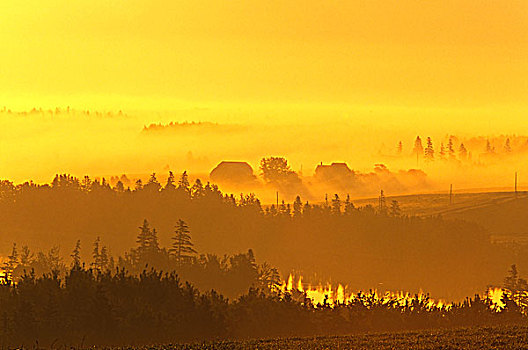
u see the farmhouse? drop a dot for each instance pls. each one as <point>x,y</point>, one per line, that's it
<point>233,172</point>
<point>332,172</point>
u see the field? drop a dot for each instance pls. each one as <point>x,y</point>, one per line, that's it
<point>500,213</point>
<point>439,203</point>
<point>513,337</point>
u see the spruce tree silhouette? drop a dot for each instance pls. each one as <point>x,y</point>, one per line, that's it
<point>76,254</point>
<point>182,247</point>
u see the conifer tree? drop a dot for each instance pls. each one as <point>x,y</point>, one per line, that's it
<point>86,183</point>
<point>182,247</point>
<point>507,146</point>
<point>442,152</point>
<point>197,189</point>
<point>268,277</point>
<point>105,184</point>
<point>450,148</point>
<point>125,180</point>
<point>336,205</point>
<point>153,183</point>
<point>144,237</point>
<point>283,209</point>
<point>349,206</point>
<point>104,258</point>
<point>153,243</point>
<point>297,207</point>
<point>170,182</point>
<point>429,151</point>
<point>418,148</point>
<point>462,152</point>
<point>489,148</point>
<point>183,183</point>
<point>76,254</point>
<point>96,254</point>
<point>54,259</point>
<point>119,187</point>
<point>26,256</point>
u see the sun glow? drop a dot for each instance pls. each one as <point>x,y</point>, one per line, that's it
<point>335,295</point>
<point>495,295</point>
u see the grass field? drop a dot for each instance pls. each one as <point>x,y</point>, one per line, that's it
<point>512,337</point>
<point>438,203</point>
<point>502,214</point>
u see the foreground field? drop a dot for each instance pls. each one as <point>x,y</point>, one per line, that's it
<point>513,337</point>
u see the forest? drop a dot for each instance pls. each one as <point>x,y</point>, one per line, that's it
<point>93,307</point>
<point>333,240</point>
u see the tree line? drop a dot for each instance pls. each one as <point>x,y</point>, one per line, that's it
<point>454,149</point>
<point>363,246</point>
<point>161,288</point>
<point>89,307</point>
<point>231,275</point>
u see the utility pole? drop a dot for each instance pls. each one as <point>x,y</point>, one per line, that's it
<point>451,194</point>
<point>277,200</point>
<point>515,184</point>
<point>381,205</point>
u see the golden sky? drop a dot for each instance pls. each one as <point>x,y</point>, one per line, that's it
<point>158,54</point>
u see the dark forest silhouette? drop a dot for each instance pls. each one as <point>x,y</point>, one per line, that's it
<point>90,307</point>
<point>232,275</point>
<point>167,289</point>
<point>364,246</point>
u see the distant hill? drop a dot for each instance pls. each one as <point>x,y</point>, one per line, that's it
<point>190,126</point>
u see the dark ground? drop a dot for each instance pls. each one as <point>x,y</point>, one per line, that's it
<point>513,337</point>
